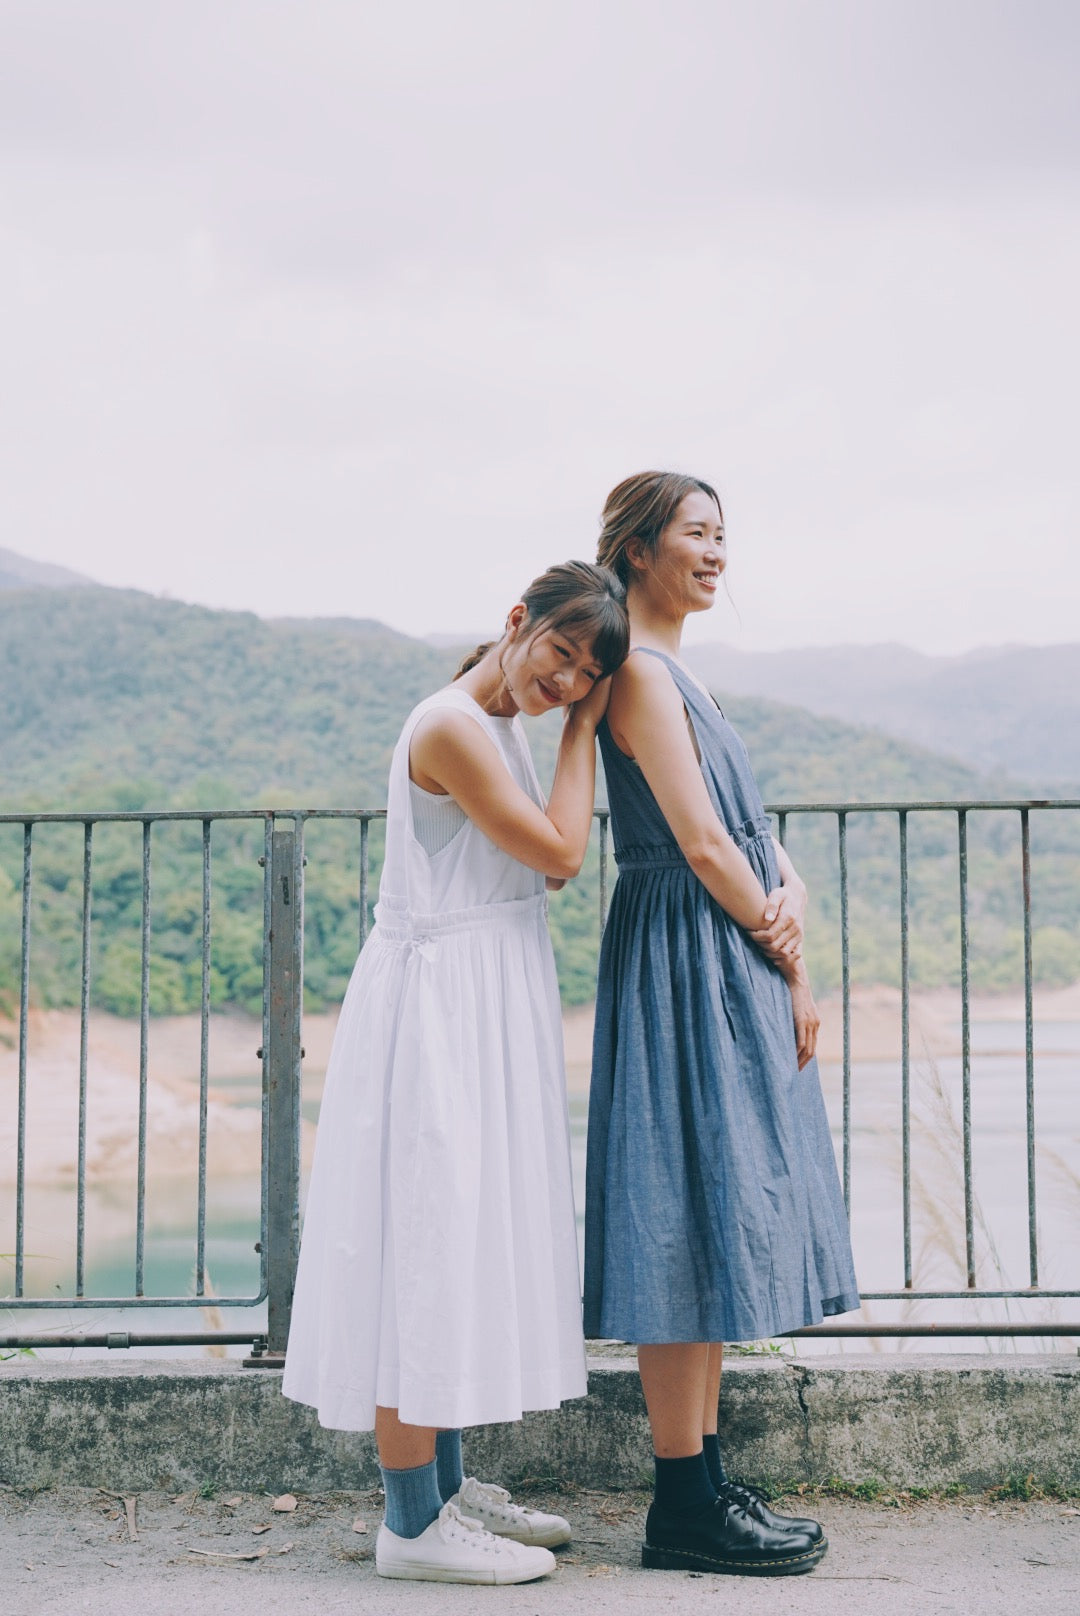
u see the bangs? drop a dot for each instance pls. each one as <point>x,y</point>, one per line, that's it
<point>598,624</point>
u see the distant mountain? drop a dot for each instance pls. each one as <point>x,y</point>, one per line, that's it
<point>1013,708</point>
<point>114,699</point>
<point>18,572</point>
<point>111,691</point>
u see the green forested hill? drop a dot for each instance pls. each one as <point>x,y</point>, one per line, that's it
<point>116,699</point>
<point>110,691</point>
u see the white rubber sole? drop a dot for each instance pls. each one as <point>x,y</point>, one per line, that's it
<point>405,1572</point>
<point>553,1539</point>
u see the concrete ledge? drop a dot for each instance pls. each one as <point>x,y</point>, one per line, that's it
<point>926,1421</point>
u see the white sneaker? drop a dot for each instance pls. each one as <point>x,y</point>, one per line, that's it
<point>456,1548</point>
<point>491,1506</point>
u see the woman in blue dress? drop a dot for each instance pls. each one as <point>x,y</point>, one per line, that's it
<point>713,1206</point>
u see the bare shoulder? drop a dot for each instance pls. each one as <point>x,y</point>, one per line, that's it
<point>642,681</point>
<point>445,742</point>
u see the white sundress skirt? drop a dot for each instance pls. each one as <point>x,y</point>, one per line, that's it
<point>439,1271</point>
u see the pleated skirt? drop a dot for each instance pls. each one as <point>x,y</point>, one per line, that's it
<point>438,1270</point>
<point>713,1206</point>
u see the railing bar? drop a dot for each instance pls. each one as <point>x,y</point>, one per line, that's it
<point>938,1329</point>
<point>1029,1048</point>
<point>845,973</point>
<point>930,805</point>
<point>965,1039</point>
<point>110,1303</point>
<point>84,1035</point>
<point>905,1048</point>
<point>24,1005</point>
<point>603,818</point>
<point>781,826</point>
<point>1020,1293</point>
<point>264,1176</point>
<point>204,1062</point>
<point>364,826</point>
<point>912,805</point>
<point>89,1303</point>
<point>144,1046</point>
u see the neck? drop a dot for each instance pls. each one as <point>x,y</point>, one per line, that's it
<point>651,626</point>
<point>487,685</point>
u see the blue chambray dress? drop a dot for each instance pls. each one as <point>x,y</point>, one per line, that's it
<point>713,1209</point>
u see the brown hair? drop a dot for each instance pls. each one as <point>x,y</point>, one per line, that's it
<point>641,508</point>
<point>583,601</point>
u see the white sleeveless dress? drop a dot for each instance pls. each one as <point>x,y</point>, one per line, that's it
<point>438,1270</point>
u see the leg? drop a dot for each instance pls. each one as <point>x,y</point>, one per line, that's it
<point>674,1379</point>
<point>402,1447</point>
<point>749,1497</point>
<point>425,1539</point>
<point>714,1369</point>
<point>410,1477</point>
<point>709,1440</point>
<point>448,1459</point>
<point>689,1527</point>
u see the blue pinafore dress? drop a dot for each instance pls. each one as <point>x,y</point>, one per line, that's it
<point>713,1209</point>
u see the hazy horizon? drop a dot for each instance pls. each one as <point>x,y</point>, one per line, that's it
<point>365,309</point>
<point>448,639</point>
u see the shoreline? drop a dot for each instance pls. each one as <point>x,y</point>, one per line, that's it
<point>234,1115</point>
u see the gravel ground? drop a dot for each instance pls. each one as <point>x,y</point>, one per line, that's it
<point>77,1550</point>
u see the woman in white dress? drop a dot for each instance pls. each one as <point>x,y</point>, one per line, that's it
<point>438,1283</point>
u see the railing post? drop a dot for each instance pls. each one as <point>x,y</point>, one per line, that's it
<point>283,1056</point>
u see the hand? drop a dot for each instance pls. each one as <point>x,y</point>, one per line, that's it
<point>591,708</point>
<point>807,1019</point>
<point>780,937</point>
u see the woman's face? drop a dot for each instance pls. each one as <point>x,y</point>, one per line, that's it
<point>546,669</point>
<point>683,574</point>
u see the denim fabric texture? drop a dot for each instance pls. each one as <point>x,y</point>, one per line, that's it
<point>713,1208</point>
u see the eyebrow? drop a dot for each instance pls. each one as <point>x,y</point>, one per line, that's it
<point>570,640</point>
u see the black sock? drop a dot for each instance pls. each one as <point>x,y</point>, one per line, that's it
<point>713,1462</point>
<point>683,1485</point>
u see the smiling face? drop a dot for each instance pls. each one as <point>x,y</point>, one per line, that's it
<point>683,574</point>
<point>546,668</point>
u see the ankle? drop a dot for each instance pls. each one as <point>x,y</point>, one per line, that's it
<point>413,1500</point>
<point>710,1446</point>
<point>683,1485</point>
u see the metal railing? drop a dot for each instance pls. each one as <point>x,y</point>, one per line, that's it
<point>281,836</point>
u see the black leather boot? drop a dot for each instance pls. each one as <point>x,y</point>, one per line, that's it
<point>725,1537</point>
<point>742,1492</point>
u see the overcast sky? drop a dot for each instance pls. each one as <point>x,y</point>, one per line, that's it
<point>334,307</point>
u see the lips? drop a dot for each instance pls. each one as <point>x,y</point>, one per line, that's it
<point>708,580</point>
<point>548,692</point>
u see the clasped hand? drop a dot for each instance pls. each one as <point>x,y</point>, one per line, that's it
<point>780,940</point>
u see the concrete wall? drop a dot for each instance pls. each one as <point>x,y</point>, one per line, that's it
<point>925,1421</point>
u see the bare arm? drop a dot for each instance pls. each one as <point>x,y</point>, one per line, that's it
<point>781,937</point>
<point>451,753</point>
<point>648,720</point>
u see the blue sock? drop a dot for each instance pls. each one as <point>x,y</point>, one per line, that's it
<point>412,1499</point>
<point>448,1459</point>
<point>713,1462</point>
<point>683,1485</point>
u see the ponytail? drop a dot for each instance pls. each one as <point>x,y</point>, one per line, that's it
<point>474,657</point>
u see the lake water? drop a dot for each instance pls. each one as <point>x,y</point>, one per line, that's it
<point>937,1197</point>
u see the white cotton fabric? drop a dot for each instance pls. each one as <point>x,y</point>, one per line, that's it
<point>436,820</point>
<point>438,1270</point>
